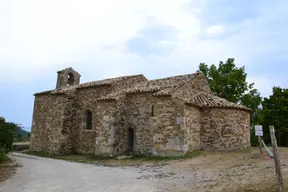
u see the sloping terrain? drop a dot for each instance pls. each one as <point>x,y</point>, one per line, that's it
<point>243,171</point>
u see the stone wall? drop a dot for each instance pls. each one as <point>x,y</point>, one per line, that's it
<point>199,84</point>
<point>107,128</point>
<point>47,124</point>
<point>168,137</point>
<point>87,100</point>
<point>225,129</point>
<point>137,114</point>
<point>70,124</point>
<point>192,127</point>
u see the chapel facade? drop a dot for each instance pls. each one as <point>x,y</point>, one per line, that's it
<point>130,114</point>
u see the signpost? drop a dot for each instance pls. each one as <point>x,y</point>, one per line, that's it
<point>259,133</point>
<point>276,159</point>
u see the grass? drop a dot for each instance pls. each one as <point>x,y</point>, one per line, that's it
<point>6,168</point>
<point>4,160</point>
<point>112,161</point>
<point>264,187</point>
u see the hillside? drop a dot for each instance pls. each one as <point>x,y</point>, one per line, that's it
<point>22,132</point>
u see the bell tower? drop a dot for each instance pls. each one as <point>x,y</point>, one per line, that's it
<point>67,77</point>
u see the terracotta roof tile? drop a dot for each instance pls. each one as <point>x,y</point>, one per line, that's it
<point>164,92</point>
<point>106,81</point>
<point>43,92</point>
<point>207,100</point>
<point>111,96</point>
<point>163,86</point>
<point>87,85</point>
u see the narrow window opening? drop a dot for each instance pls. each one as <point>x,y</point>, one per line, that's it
<point>130,139</point>
<point>152,111</point>
<point>88,120</point>
<point>70,79</point>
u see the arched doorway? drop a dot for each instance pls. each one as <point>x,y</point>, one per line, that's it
<point>130,139</point>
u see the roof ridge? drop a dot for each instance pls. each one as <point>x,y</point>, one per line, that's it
<point>175,76</point>
<point>114,78</point>
<point>107,81</point>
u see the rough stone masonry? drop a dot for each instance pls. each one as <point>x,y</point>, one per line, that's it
<point>130,114</point>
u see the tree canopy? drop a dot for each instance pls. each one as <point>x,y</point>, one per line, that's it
<point>275,112</point>
<point>230,82</point>
<point>8,133</point>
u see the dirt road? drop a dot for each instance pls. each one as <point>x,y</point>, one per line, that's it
<point>217,172</point>
<point>49,175</point>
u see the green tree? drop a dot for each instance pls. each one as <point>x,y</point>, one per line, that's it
<point>230,82</point>
<point>275,109</point>
<point>7,134</point>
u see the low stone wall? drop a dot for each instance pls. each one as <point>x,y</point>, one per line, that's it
<point>20,146</point>
<point>225,129</point>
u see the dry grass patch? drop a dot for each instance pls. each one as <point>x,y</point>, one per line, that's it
<point>202,171</point>
<point>241,171</point>
<point>7,169</point>
<point>112,161</point>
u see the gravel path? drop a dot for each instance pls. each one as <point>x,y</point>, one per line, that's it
<point>217,172</point>
<point>50,175</point>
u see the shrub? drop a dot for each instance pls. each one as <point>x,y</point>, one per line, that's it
<point>7,134</point>
<point>253,138</point>
<point>2,153</point>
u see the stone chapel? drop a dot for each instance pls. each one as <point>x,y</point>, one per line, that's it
<point>131,114</point>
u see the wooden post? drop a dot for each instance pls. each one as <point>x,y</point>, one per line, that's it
<point>260,145</point>
<point>276,159</point>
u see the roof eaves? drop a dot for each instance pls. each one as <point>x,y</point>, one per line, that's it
<point>162,93</point>
<point>206,100</point>
<point>43,93</point>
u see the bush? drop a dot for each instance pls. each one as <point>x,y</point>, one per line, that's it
<point>253,138</point>
<point>2,153</point>
<point>7,134</point>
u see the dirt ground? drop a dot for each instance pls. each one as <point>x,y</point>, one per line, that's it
<point>7,169</point>
<point>237,171</point>
<point>242,171</point>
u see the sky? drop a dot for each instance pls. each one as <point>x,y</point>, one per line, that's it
<point>159,38</point>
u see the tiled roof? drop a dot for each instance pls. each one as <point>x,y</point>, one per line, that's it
<point>43,92</point>
<point>89,84</point>
<point>106,81</point>
<point>162,86</point>
<point>111,96</point>
<point>69,69</point>
<point>164,92</point>
<point>207,100</point>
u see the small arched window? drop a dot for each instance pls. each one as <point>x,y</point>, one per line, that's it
<point>70,79</point>
<point>152,111</point>
<point>88,120</point>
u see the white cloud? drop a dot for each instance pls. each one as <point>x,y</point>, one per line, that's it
<point>215,30</point>
<point>37,38</point>
<point>41,35</point>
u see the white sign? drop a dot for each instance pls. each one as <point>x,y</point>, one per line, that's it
<point>259,133</point>
<point>180,120</point>
<point>258,128</point>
